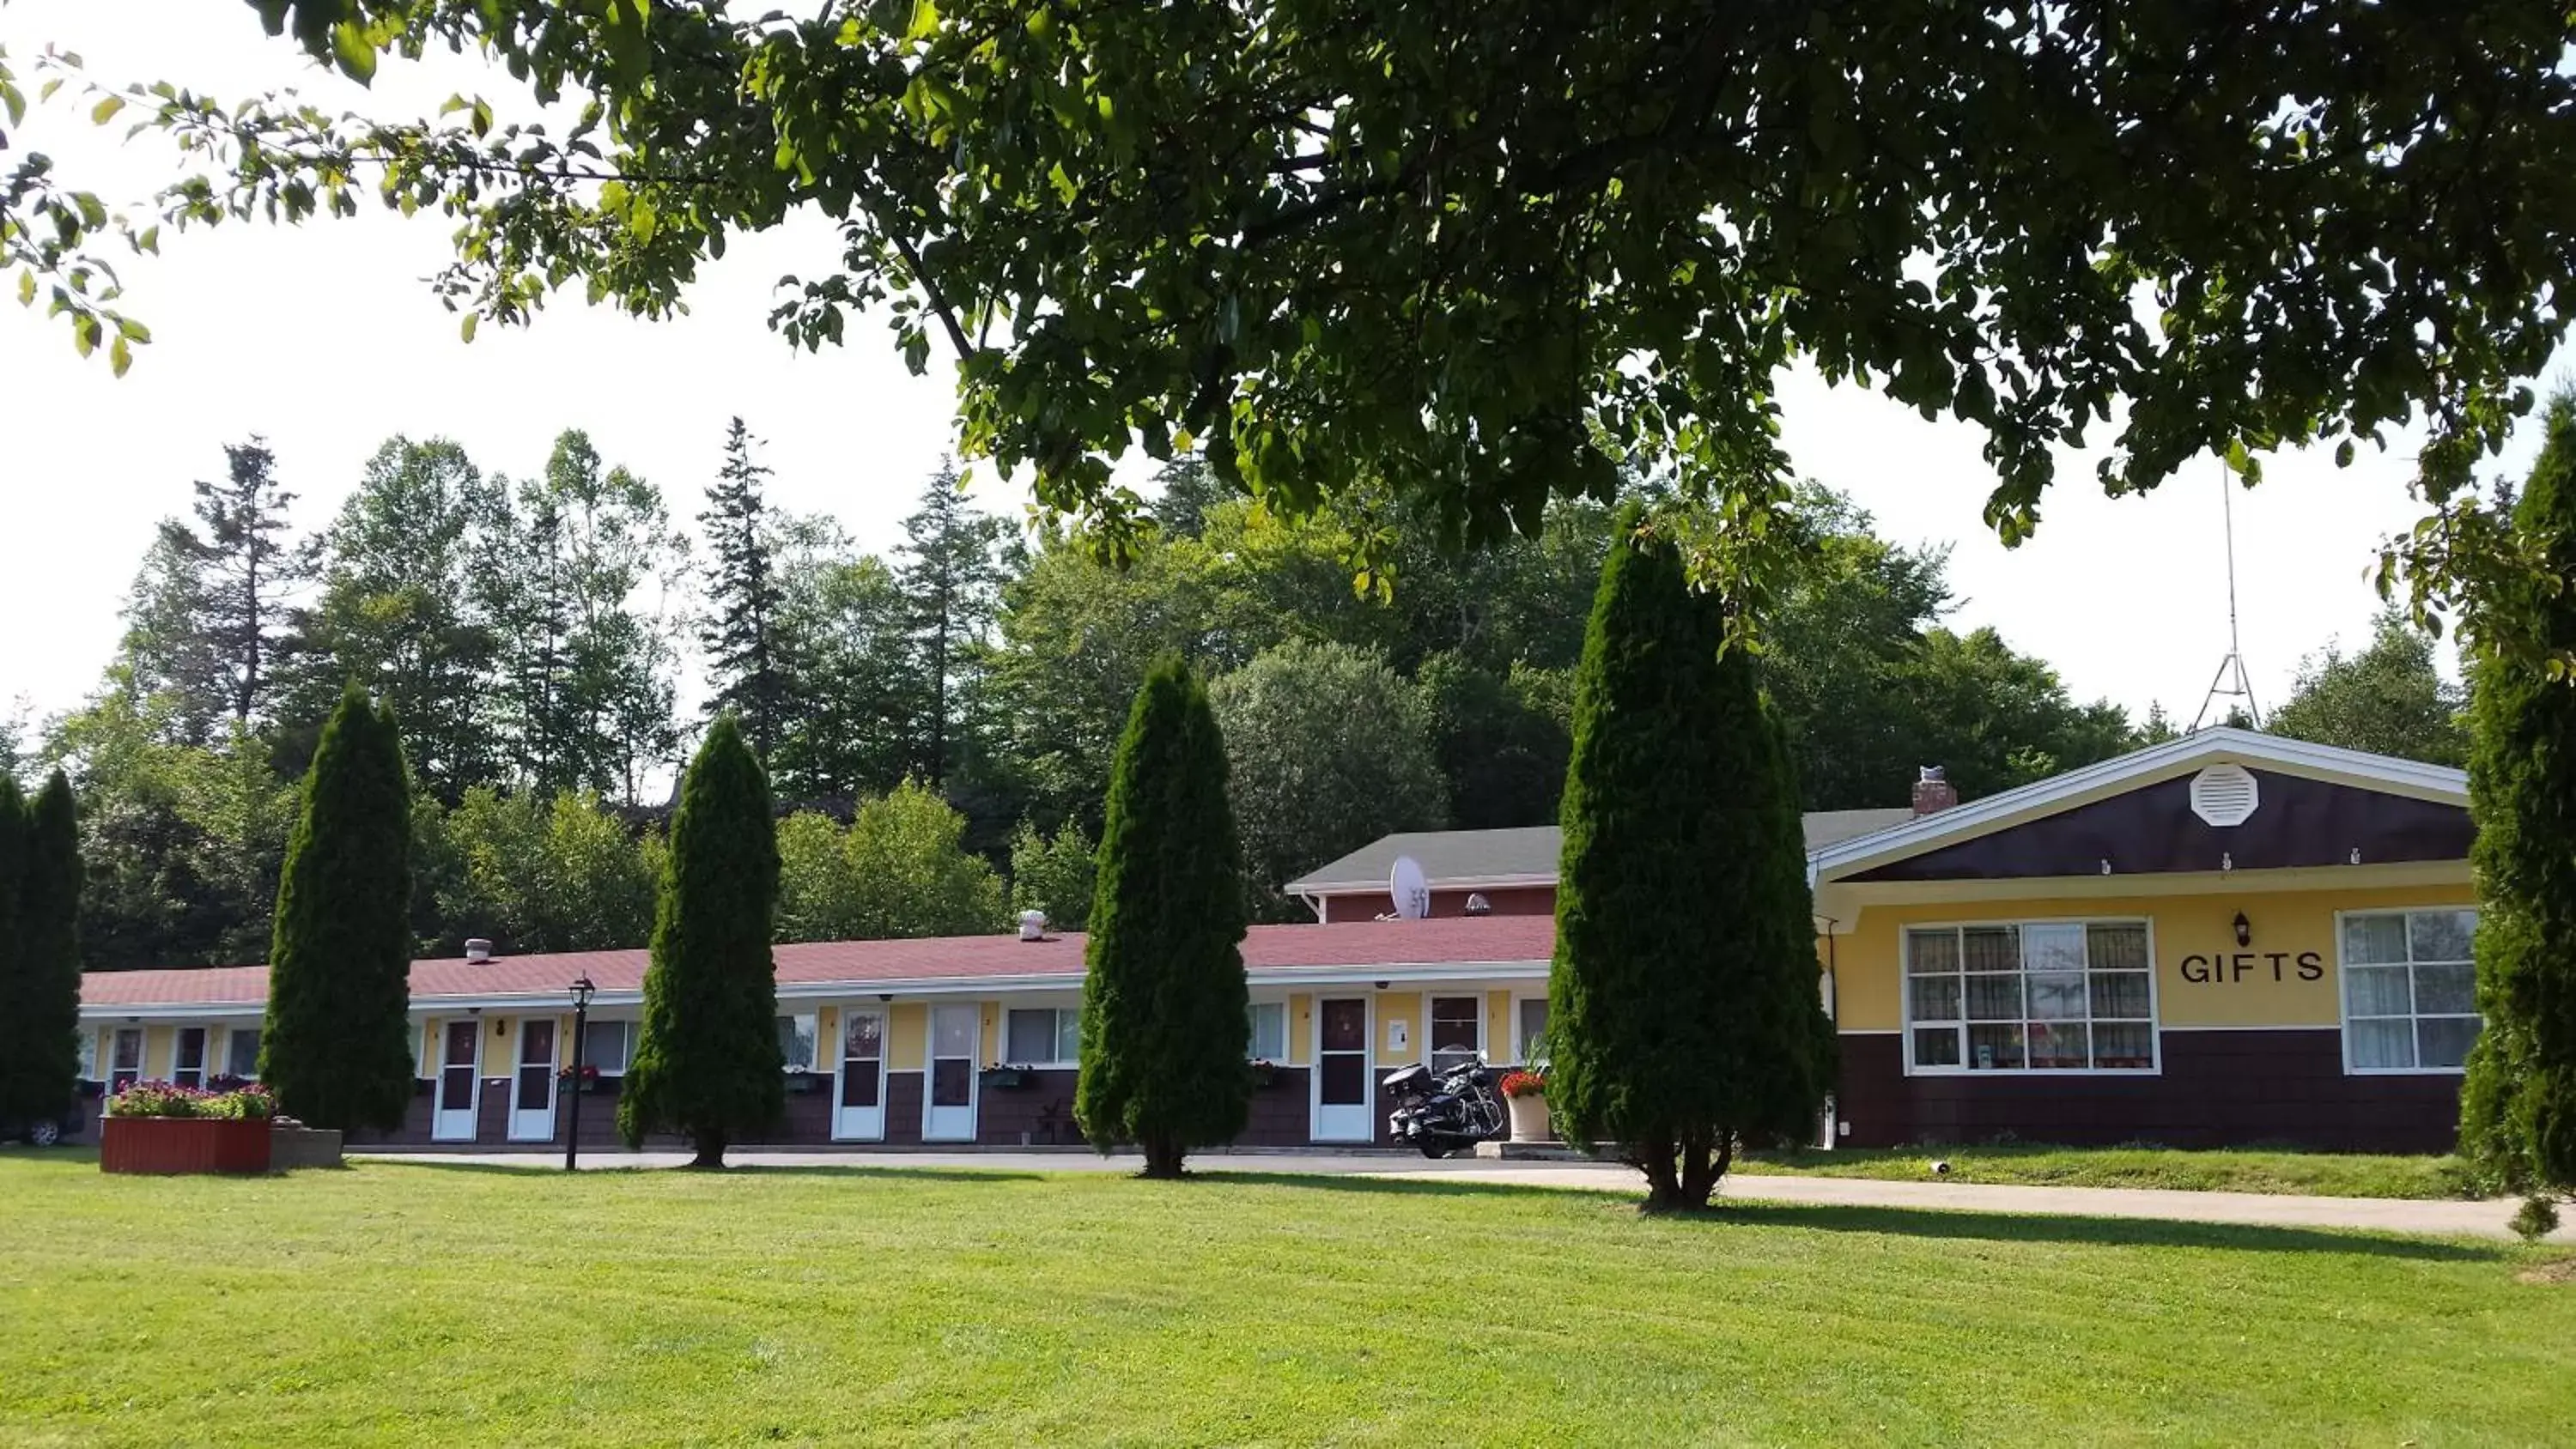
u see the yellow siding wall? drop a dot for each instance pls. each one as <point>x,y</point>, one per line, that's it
<point>1499,1046</point>
<point>827,1039</point>
<point>907,1037</point>
<point>992,1032</point>
<point>1301,1029</point>
<point>1395,1006</point>
<point>2270,991</point>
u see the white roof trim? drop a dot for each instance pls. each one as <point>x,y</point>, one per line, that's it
<point>2220,745</point>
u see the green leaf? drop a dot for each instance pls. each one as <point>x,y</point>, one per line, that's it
<point>2343,454</point>
<point>27,287</point>
<point>120,356</point>
<point>355,52</point>
<point>465,329</point>
<point>106,109</point>
<point>925,20</point>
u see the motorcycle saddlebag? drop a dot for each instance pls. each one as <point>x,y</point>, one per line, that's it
<point>1407,1081</point>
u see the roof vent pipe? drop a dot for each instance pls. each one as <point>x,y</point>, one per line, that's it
<point>477,950</point>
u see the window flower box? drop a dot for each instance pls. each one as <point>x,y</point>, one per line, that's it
<point>1265,1075</point>
<point>801,1082</point>
<point>1007,1079</point>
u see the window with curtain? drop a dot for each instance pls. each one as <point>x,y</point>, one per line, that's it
<point>1457,1030</point>
<point>2039,996</point>
<point>2410,990</point>
<point>1530,1044</point>
<point>605,1045</point>
<point>89,1056</point>
<point>796,1041</point>
<point>241,1053</point>
<point>1042,1036</point>
<point>1268,1021</point>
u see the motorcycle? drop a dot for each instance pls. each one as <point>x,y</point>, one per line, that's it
<point>1445,1113</point>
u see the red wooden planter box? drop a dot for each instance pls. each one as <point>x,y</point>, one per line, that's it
<point>182,1144</point>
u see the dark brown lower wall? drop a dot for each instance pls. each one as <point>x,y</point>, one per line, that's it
<point>2217,1089</point>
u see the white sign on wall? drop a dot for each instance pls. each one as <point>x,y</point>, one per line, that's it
<point>1399,1035</point>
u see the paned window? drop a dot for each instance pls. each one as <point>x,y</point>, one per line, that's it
<point>2410,990</point>
<point>1531,1045</point>
<point>1457,1030</point>
<point>1268,1021</point>
<point>1043,1036</point>
<point>2052,996</point>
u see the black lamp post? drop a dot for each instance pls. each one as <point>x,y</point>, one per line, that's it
<point>581,990</point>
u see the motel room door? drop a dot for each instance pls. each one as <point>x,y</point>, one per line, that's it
<point>1345,1099</point>
<point>454,1120</point>
<point>948,1107</point>
<point>860,1117</point>
<point>532,1087</point>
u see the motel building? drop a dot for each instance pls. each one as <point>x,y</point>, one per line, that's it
<point>2229,938</point>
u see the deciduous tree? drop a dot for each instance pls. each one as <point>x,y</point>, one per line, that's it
<point>708,1063</point>
<point>337,1041</point>
<point>2388,698</point>
<point>1163,1002</point>
<point>1241,223</point>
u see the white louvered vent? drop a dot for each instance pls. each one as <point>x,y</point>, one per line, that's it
<point>2224,795</point>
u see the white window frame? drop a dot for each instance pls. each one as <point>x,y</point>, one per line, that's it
<point>231,1033</point>
<point>809,1025</point>
<point>1905,1000</point>
<point>2343,990</point>
<point>1520,1047</point>
<point>1055,1038</point>
<point>1251,1047</point>
<point>1428,1020</point>
<point>142,1054</point>
<point>88,1065</point>
<point>628,1055</point>
<point>205,1053</point>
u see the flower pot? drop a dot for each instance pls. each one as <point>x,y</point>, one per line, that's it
<point>1005,1078</point>
<point>183,1144</point>
<point>1529,1118</point>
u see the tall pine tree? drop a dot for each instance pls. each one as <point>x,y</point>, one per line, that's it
<point>14,974</point>
<point>337,1043</point>
<point>40,969</point>
<point>951,582</point>
<point>209,622</point>
<point>1683,1013</point>
<point>708,1064</point>
<point>2518,1105</point>
<point>1163,1037</point>
<point>749,671</point>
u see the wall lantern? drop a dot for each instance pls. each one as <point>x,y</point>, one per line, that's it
<point>885,996</point>
<point>2244,930</point>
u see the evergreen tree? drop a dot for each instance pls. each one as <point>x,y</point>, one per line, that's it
<point>40,971</point>
<point>1163,1044</point>
<point>2518,1105</point>
<point>951,584</point>
<point>208,621</point>
<point>748,669</point>
<point>708,1064</point>
<point>1682,942</point>
<point>336,1045</point>
<point>16,977</point>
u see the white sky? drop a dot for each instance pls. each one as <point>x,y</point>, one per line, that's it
<point>324,340</point>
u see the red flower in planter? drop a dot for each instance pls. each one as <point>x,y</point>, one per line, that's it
<point>1524,1084</point>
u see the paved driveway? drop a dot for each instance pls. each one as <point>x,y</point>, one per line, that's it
<point>2442,1218</point>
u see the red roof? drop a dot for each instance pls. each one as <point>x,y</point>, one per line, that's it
<point>1361,944</point>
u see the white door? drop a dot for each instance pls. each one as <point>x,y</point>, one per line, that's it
<point>948,1106</point>
<point>1345,1098</point>
<point>532,1089</point>
<point>860,1117</point>
<point>458,1084</point>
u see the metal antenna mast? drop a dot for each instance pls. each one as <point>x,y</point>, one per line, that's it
<point>2221,685</point>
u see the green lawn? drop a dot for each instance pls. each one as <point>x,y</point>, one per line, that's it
<point>2322,1174</point>
<point>412,1303</point>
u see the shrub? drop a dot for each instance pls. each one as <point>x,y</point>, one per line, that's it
<point>167,1099</point>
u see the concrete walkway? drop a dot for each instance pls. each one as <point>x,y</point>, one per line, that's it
<point>2443,1218</point>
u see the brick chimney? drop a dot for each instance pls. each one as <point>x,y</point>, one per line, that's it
<point>1933,792</point>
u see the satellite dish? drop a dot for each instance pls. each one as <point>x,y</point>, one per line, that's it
<point>1411,891</point>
